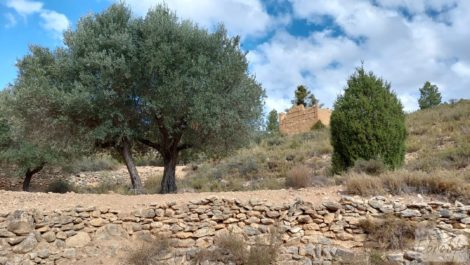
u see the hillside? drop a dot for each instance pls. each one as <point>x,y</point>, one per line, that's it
<point>438,144</point>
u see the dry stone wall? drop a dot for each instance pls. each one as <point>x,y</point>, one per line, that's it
<point>310,234</point>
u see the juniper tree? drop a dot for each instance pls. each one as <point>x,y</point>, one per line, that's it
<point>367,122</point>
<point>429,96</point>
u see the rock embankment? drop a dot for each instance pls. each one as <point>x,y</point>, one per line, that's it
<point>310,234</point>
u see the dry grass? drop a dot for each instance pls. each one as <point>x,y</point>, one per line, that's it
<point>389,232</point>
<point>152,185</point>
<point>299,177</point>
<point>451,184</point>
<point>370,167</point>
<point>265,164</point>
<point>232,248</point>
<point>149,252</point>
<point>440,137</point>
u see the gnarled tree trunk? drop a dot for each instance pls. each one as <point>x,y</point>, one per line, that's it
<point>29,175</point>
<point>169,173</point>
<point>125,150</point>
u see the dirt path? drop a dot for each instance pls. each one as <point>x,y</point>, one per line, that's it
<point>11,200</point>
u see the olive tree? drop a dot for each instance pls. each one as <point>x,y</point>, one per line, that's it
<point>86,90</point>
<point>157,80</point>
<point>197,93</point>
<point>20,153</point>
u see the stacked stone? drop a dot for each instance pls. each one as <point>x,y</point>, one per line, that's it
<point>311,234</point>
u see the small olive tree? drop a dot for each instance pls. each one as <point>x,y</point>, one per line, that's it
<point>20,152</point>
<point>367,122</point>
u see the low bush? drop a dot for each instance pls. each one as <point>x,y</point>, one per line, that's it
<point>60,186</point>
<point>299,177</point>
<point>231,248</point>
<point>390,232</point>
<point>149,252</point>
<point>317,126</point>
<point>370,167</point>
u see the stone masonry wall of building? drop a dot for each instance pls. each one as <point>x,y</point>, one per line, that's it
<point>300,119</point>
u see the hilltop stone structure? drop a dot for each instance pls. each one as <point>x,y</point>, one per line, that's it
<point>300,119</point>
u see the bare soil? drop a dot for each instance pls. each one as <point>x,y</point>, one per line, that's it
<point>14,200</point>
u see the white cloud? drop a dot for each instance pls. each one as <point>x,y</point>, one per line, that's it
<point>461,69</point>
<point>241,17</point>
<point>53,21</point>
<point>407,52</point>
<point>25,7</point>
<point>11,20</point>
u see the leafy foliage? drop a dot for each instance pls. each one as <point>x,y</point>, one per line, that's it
<point>367,123</point>
<point>159,80</point>
<point>429,96</point>
<point>19,149</point>
<point>273,122</point>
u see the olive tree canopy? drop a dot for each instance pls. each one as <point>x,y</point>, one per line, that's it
<point>156,80</point>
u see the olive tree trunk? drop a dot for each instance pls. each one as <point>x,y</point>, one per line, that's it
<point>29,175</point>
<point>169,173</point>
<point>125,150</point>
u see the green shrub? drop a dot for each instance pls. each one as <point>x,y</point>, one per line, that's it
<point>317,126</point>
<point>60,186</point>
<point>368,122</point>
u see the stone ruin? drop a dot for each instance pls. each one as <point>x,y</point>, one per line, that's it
<point>300,119</point>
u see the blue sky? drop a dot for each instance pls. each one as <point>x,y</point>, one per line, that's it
<point>317,43</point>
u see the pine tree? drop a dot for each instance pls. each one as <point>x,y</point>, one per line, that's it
<point>273,122</point>
<point>301,95</point>
<point>368,122</point>
<point>430,96</point>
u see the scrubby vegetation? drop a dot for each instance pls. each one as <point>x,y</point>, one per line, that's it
<point>389,232</point>
<point>150,252</point>
<point>266,164</point>
<point>232,248</point>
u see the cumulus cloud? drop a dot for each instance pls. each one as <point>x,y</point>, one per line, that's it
<point>52,21</point>
<point>404,48</point>
<point>405,42</point>
<point>241,17</point>
<point>25,7</point>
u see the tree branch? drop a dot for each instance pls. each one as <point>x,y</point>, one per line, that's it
<point>184,147</point>
<point>150,143</point>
